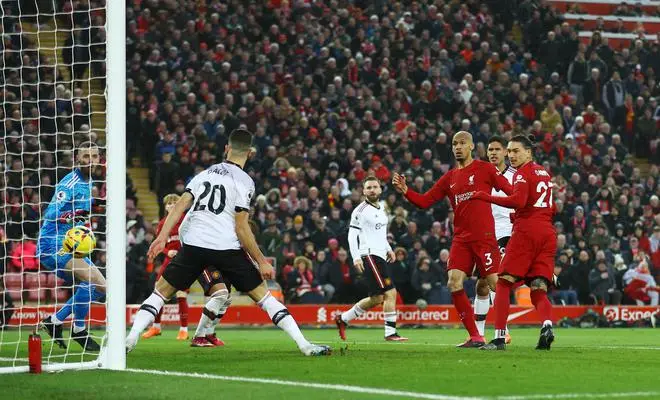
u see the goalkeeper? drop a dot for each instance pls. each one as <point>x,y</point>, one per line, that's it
<point>69,207</point>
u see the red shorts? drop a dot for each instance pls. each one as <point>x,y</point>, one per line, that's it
<point>484,255</point>
<point>530,254</point>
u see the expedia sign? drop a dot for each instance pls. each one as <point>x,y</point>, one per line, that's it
<point>623,313</point>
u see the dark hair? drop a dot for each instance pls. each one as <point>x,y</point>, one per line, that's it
<point>498,139</point>
<point>370,178</point>
<point>240,140</point>
<point>526,140</point>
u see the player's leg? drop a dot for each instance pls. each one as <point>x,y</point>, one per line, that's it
<point>180,274</point>
<point>155,329</point>
<point>459,265</point>
<point>214,309</point>
<point>91,288</point>
<point>356,311</point>
<point>182,302</point>
<point>389,315</point>
<point>539,295</point>
<point>482,304</point>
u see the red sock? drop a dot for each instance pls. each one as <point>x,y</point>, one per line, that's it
<point>160,314</point>
<point>183,311</point>
<point>542,304</point>
<point>466,313</point>
<point>502,305</point>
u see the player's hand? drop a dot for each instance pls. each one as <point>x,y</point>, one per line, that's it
<point>267,271</point>
<point>391,257</point>
<point>359,266</point>
<point>156,247</point>
<point>172,253</point>
<point>399,183</point>
<point>479,196</point>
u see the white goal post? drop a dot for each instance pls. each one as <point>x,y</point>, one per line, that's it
<point>56,86</point>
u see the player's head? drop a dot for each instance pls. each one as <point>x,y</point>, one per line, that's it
<point>87,155</point>
<point>520,148</point>
<point>462,145</point>
<point>497,150</point>
<point>371,188</point>
<point>240,143</point>
<point>169,201</point>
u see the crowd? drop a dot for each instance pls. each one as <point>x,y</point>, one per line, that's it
<point>336,90</point>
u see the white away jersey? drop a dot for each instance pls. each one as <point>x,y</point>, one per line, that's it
<point>219,192</point>
<point>501,215</point>
<point>371,226</point>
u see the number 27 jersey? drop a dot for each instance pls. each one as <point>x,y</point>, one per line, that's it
<point>219,193</point>
<point>536,186</point>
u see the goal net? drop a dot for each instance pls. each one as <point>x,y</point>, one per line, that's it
<point>54,95</point>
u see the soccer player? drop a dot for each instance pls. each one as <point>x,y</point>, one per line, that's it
<point>474,228</point>
<point>171,248</point>
<point>217,233</point>
<point>69,207</point>
<point>367,239</point>
<point>531,250</point>
<point>210,280</point>
<point>502,216</point>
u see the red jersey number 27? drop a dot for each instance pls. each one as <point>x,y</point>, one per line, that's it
<point>545,195</point>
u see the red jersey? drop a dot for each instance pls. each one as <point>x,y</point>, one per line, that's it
<point>531,198</point>
<point>173,242</point>
<point>473,220</point>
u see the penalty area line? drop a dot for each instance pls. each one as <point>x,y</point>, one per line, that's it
<point>389,392</point>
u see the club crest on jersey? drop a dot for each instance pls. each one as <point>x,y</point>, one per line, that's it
<point>471,180</point>
<point>379,225</point>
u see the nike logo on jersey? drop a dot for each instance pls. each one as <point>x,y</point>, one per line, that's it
<point>451,186</point>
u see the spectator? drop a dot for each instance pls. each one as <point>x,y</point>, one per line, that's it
<point>304,288</point>
<point>427,281</point>
<point>640,285</point>
<point>603,285</point>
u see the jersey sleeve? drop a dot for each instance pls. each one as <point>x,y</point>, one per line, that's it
<point>193,184</point>
<point>356,222</point>
<point>499,181</point>
<point>519,197</point>
<point>439,190</point>
<point>245,195</point>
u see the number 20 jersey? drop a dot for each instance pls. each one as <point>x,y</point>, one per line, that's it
<point>219,193</point>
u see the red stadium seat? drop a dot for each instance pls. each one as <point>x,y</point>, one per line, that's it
<point>14,285</point>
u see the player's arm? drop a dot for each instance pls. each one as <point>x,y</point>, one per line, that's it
<point>173,217</point>
<point>432,196</point>
<point>516,200</point>
<point>249,244</point>
<point>500,182</point>
<point>353,243</point>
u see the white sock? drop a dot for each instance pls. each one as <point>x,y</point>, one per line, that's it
<point>183,329</point>
<point>210,330</point>
<point>390,323</point>
<point>77,329</point>
<point>500,333</point>
<point>210,312</point>
<point>353,313</point>
<point>147,314</point>
<point>280,316</point>
<point>481,307</point>
<point>156,325</point>
<point>55,321</point>
<point>547,322</point>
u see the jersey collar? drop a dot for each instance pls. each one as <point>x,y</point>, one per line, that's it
<point>371,204</point>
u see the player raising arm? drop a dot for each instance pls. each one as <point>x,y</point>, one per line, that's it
<point>474,239</point>
<point>216,233</point>
<point>531,250</point>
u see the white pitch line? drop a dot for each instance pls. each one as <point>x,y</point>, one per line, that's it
<point>327,386</point>
<point>389,392</point>
<point>452,345</point>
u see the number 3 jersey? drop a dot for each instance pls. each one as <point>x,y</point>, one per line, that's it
<point>219,193</point>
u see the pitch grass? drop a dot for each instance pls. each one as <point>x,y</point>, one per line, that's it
<point>602,361</point>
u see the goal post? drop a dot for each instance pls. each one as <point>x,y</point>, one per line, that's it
<point>63,73</point>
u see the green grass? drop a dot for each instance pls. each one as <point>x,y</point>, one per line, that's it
<point>603,361</point>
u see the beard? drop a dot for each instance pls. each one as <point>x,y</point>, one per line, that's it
<point>373,199</point>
